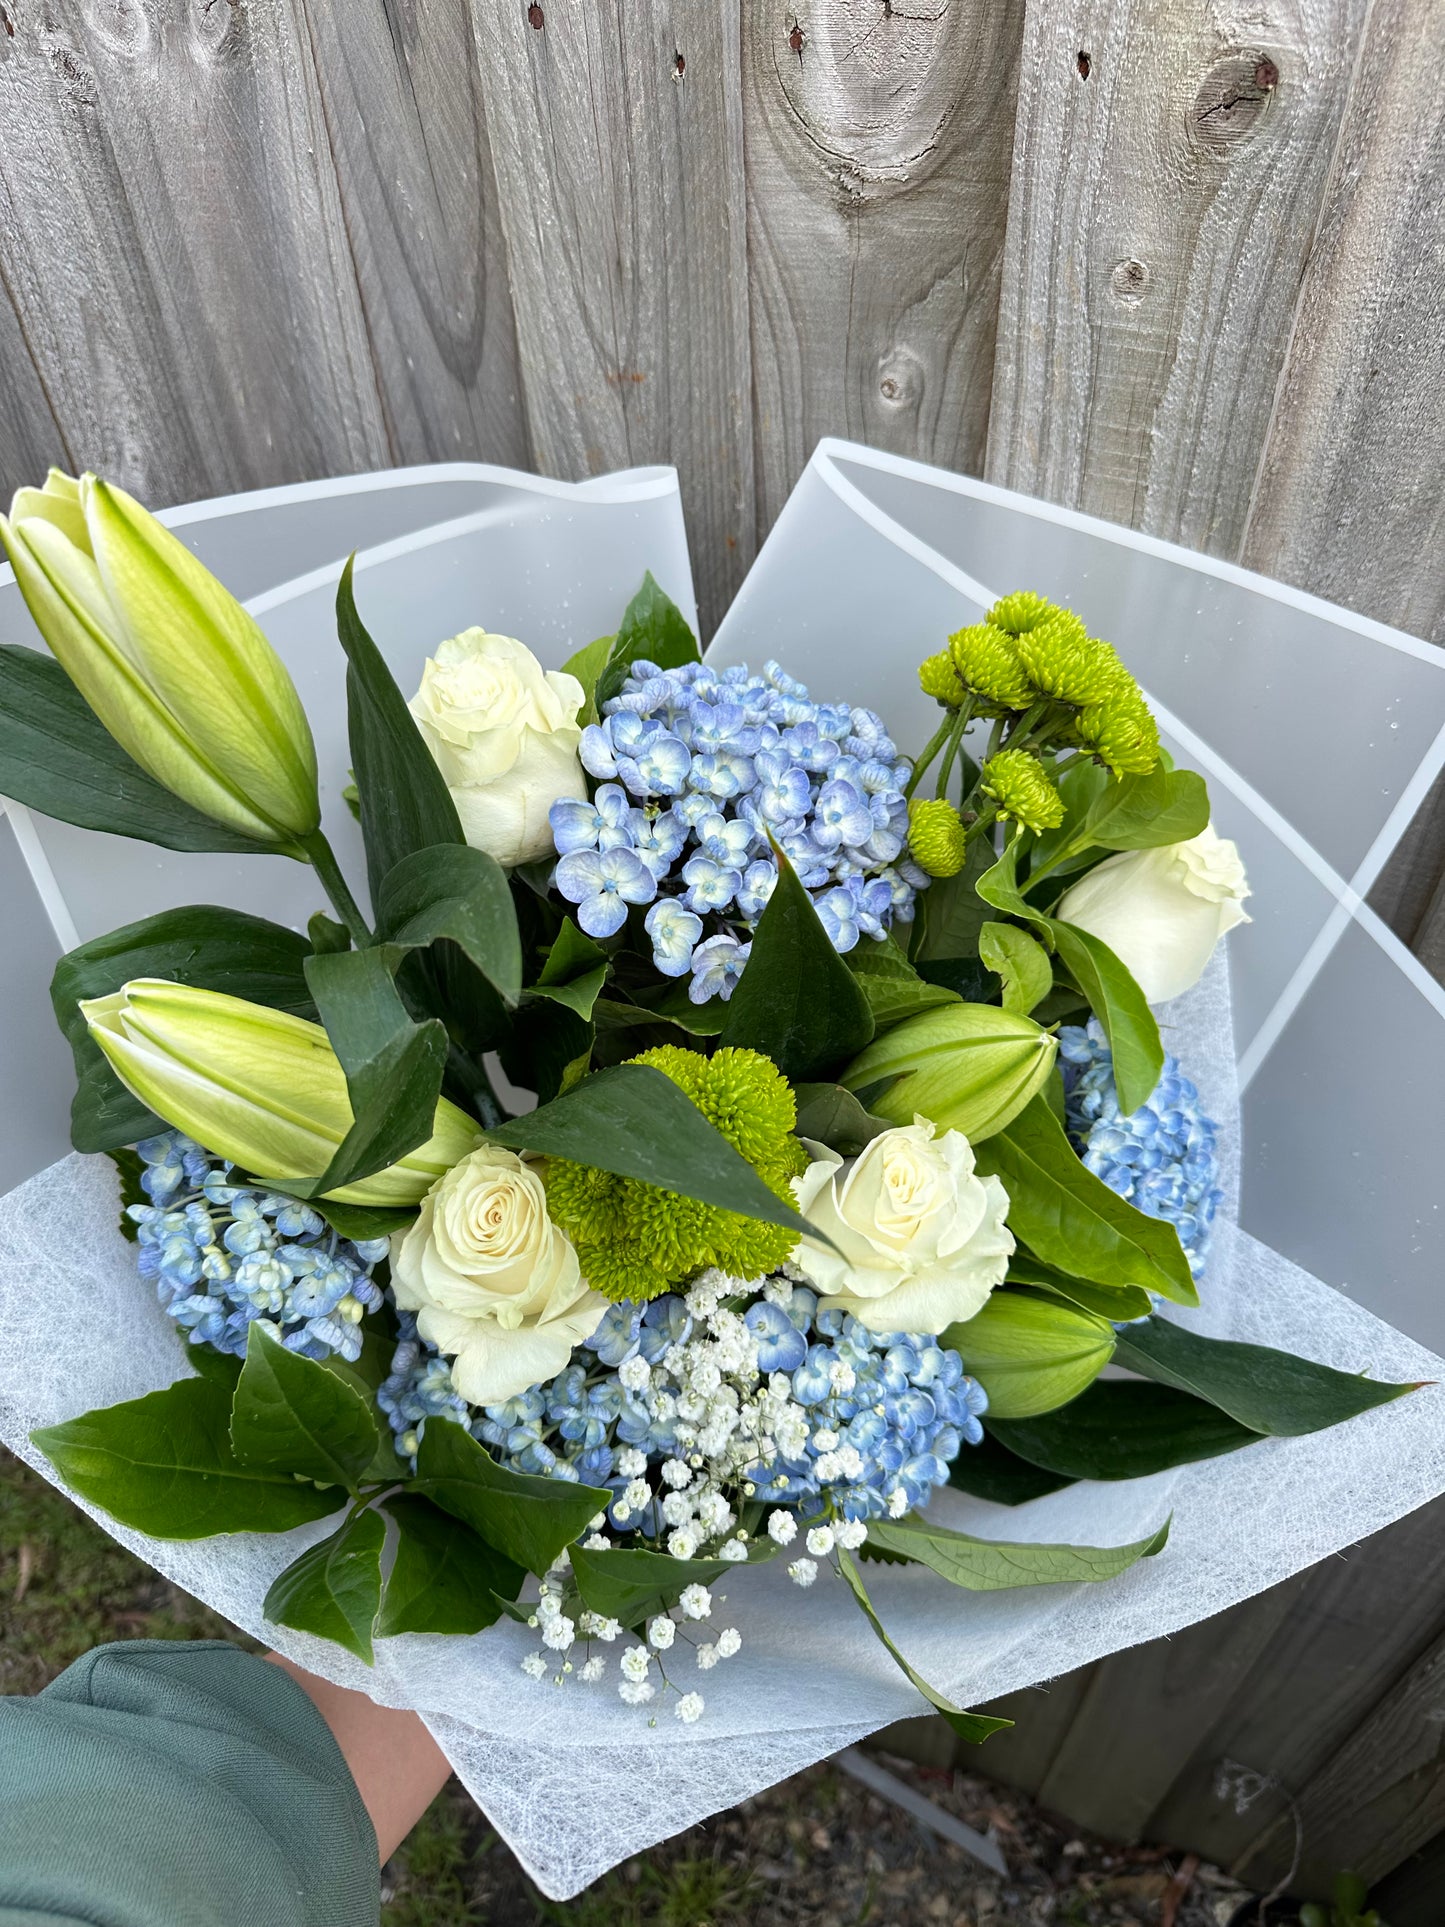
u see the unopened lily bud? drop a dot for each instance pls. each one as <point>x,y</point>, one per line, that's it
<point>968,1067</point>
<point>170,662</point>
<point>1031,1354</point>
<point>257,1086</point>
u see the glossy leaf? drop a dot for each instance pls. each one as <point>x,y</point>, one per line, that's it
<point>797,1001</point>
<point>405,804</point>
<point>1120,1006</point>
<point>587,666</point>
<point>1117,1303</point>
<point>1146,812</point>
<point>950,912</point>
<point>527,1519</point>
<point>990,1471</point>
<point>56,756</point>
<point>1269,1391</point>
<point>290,1414</point>
<point>633,1586</point>
<point>459,894</point>
<point>988,1565</point>
<point>1123,1429</point>
<point>1022,963</point>
<point>444,1578</point>
<point>1072,1220</point>
<point>635,1121</point>
<point>974,1727</point>
<point>334,1589</point>
<point>203,944</point>
<point>892,986</point>
<point>652,628</point>
<point>835,1117</point>
<point>165,1465</point>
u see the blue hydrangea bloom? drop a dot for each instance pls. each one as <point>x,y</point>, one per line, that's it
<point>223,1254</point>
<point>698,768</point>
<point>1162,1158</point>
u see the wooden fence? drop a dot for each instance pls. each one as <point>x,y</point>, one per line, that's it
<point>1180,263</point>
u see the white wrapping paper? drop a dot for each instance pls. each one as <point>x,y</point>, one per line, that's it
<point>572,1778</point>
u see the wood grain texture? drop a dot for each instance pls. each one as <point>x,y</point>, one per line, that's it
<point>1169,165</point>
<point>171,239</point>
<point>1351,494</point>
<point>401,86</point>
<point>616,131</point>
<point>878,154</point>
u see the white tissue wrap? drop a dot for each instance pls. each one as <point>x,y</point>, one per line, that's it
<point>574,1780</point>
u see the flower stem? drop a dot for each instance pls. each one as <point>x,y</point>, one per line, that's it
<point>935,744</point>
<point>322,858</point>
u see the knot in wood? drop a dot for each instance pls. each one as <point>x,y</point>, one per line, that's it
<point>217,28</point>
<point>122,27</point>
<point>900,379</point>
<point>1232,99</point>
<point>1127,282</point>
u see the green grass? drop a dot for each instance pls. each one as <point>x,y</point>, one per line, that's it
<point>681,1893</point>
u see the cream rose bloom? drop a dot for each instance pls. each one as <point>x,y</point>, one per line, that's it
<point>1162,911</point>
<point>921,1238</point>
<point>504,734</point>
<point>493,1282</point>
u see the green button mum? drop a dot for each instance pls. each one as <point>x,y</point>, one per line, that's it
<point>1020,786</point>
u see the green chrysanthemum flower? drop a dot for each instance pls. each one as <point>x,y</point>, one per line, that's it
<point>987,660</point>
<point>1121,732</point>
<point>936,838</point>
<point>1064,661</point>
<point>1019,785</point>
<point>938,678</point>
<point>637,1240</point>
<point>1021,611</point>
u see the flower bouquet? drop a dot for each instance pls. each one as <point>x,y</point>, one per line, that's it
<point>856,1169</point>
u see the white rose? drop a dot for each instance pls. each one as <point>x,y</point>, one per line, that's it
<point>504,734</point>
<point>493,1282</point>
<point>921,1239</point>
<point>1162,911</point>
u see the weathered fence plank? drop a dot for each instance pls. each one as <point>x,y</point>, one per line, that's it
<point>401,88</point>
<point>1168,168</point>
<point>878,154</point>
<point>617,137</point>
<point>174,246</point>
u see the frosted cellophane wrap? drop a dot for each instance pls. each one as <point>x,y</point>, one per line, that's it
<point>576,1781</point>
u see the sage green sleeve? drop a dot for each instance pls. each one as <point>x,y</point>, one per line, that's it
<point>169,1784</point>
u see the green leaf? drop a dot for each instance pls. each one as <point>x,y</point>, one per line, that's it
<point>636,1122</point>
<point>1122,1009</point>
<point>547,1038</point>
<point>1117,1303</point>
<point>797,1001</point>
<point>653,628</point>
<point>129,1168</point>
<point>574,972</point>
<point>56,756</point>
<point>164,1464</point>
<point>527,1519</point>
<point>292,1415</point>
<point>587,665</point>
<point>1024,965</point>
<point>221,1368</point>
<point>445,1579</point>
<point>950,912</point>
<point>405,804</point>
<point>892,986</point>
<point>974,1727</point>
<point>1123,1429</point>
<point>1146,812</point>
<point>326,934</point>
<point>966,977</point>
<point>990,1471</point>
<point>393,1066</point>
<point>1269,1391</point>
<point>459,894</point>
<point>334,1590</point>
<point>1072,1220</point>
<point>835,1117</point>
<point>988,1565</point>
<point>202,944</point>
<point>1031,1354</point>
<point>361,1221</point>
<point>671,1004</point>
<point>633,1586</point>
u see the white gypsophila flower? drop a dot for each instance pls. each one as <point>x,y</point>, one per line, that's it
<point>676,1473</point>
<point>682,1544</point>
<point>782,1528</point>
<point>729,1641</point>
<point>820,1541</point>
<point>548,1606</point>
<point>633,1374</point>
<point>696,1602</point>
<point>636,1692</point>
<point>662,1632</point>
<point>803,1572</point>
<point>828,1467</point>
<point>702,1295</point>
<point>850,1534</point>
<point>677,1508</point>
<point>689,1708</point>
<point>534,1666</point>
<point>635,1662</point>
<point>707,1657</point>
<point>637,1495</point>
<point>494,1283</point>
<point>607,1630</point>
<point>851,1460</point>
<point>631,1464</point>
<point>593,1670</point>
<point>733,1550</point>
<point>505,734</point>
<point>897,1502</point>
<point>597,1542</point>
<point>559,1634</point>
<point>825,1439</point>
<point>598,1521</point>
